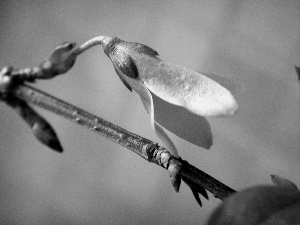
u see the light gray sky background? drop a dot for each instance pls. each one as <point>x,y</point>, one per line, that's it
<point>95,181</point>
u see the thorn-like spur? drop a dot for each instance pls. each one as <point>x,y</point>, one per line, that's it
<point>162,157</point>
<point>196,190</point>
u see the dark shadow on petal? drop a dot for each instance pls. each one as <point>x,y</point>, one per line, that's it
<point>186,125</point>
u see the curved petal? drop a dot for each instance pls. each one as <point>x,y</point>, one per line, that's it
<point>181,86</point>
<point>233,86</point>
<point>186,125</point>
<point>147,101</point>
<point>160,133</point>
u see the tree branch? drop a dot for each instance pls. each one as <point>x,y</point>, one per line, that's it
<point>145,148</point>
<point>17,94</point>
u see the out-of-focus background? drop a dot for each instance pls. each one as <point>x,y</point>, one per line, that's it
<point>95,181</point>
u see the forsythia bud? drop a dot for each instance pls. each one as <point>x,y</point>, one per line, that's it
<point>62,58</point>
<point>41,129</point>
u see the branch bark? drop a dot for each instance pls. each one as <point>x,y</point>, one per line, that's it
<point>145,148</point>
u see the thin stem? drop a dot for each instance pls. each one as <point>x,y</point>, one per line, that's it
<point>117,134</point>
<point>81,117</point>
<point>89,44</point>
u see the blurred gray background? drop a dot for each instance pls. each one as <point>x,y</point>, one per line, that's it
<point>95,181</point>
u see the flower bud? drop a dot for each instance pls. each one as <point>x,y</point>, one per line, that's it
<point>62,58</point>
<point>41,129</point>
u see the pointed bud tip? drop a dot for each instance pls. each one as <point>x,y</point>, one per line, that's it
<point>55,145</point>
<point>49,140</point>
<point>196,189</point>
<point>43,131</point>
<point>176,183</point>
<point>175,175</point>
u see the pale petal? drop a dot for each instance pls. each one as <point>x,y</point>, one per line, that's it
<point>147,101</point>
<point>160,133</point>
<point>186,125</point>
<point>192,90</point>
<point>232,86</point>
